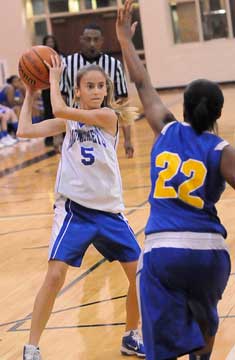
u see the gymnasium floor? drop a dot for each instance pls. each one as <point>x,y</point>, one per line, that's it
<point>89,314</point>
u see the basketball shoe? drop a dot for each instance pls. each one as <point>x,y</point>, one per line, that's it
<point>8,140</point>
<point>31,352</point>
<point>132,344</point>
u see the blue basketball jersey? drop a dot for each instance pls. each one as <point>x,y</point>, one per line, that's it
<point>186,181</point>
<point>3,96</point>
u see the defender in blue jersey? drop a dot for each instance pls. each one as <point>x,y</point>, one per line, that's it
<point>185,265</point>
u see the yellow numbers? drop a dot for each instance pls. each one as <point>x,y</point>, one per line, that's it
<point>171,164</point>
<point>195,171</point>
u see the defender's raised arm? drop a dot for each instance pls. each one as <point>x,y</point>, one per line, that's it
<point>156,112</point>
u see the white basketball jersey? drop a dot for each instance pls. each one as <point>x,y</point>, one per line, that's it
<point>88,172</point>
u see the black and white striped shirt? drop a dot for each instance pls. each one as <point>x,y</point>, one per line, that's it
<point>111,66</point>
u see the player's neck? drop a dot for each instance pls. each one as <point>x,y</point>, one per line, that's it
<point>84,106</point>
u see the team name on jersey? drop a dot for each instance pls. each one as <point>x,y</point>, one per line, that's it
<point>81,136</point>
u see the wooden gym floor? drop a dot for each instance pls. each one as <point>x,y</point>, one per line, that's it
<point>88,318</point>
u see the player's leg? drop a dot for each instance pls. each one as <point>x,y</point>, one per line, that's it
<point>17,110</point>
<point>116,241</point>
<point>132,342</point>
<point>43,306</point>
<point>46,297</point>
<point>13,120</point>
<point>67,246</point>
<point>206,297</point>
<point>132,309</point>
<point>204,353</point>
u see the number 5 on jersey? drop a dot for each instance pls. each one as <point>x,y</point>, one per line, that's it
<point>195,170</point>
<point>87,154</point>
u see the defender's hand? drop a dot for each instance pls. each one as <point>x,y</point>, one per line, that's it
<point>124,29</point>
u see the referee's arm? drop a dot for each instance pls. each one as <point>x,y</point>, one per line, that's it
<point>64,82</point>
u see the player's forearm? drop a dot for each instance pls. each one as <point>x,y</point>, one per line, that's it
<point>129,149</point>
<point>127,133</point>
<point>25,126</point>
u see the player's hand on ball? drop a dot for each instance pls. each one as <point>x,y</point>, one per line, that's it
<point>56,68</point>
<point>30,91</point>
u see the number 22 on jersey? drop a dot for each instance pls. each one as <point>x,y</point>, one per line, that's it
<point>172,164</point>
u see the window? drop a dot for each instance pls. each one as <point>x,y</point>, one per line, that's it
<point>103,3</point>
<point>74,5</point>
<point>40,31</point>
<point>94,4</point>
<point>214,19</point>
<point>202,20</point>
<point>38,7</point>
<point>58,6</point>
<point>64,6</point>
<point>2,72</point>
<point>42,16</point>
<point>137,39</point>
<point>232,10</point>
<point>184,19</point>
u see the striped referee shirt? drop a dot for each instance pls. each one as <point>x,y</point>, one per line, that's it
<point>111,66</point>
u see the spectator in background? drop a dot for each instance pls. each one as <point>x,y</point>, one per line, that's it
<point>7,116</point>
<point>12,94</point>
<point>91,43</point>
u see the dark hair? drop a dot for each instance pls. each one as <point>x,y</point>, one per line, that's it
<point>44,42</point>
<point>203,102</point>
<point>93,27</point>
<point>11,79</point>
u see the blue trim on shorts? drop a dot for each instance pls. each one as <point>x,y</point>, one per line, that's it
<point>63,228</point>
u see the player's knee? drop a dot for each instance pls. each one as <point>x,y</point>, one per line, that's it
<point>130,270</point>
<point>55,278</point>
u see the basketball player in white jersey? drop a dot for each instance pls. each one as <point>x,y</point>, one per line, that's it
<point>90,52</point>
<point>89,204</point>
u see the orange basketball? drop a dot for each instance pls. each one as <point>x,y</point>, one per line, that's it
<point>32,69</point>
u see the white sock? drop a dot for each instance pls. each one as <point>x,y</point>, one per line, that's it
<point>31,346</point>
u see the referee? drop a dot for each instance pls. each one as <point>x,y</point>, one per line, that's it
<point>91,42</point>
